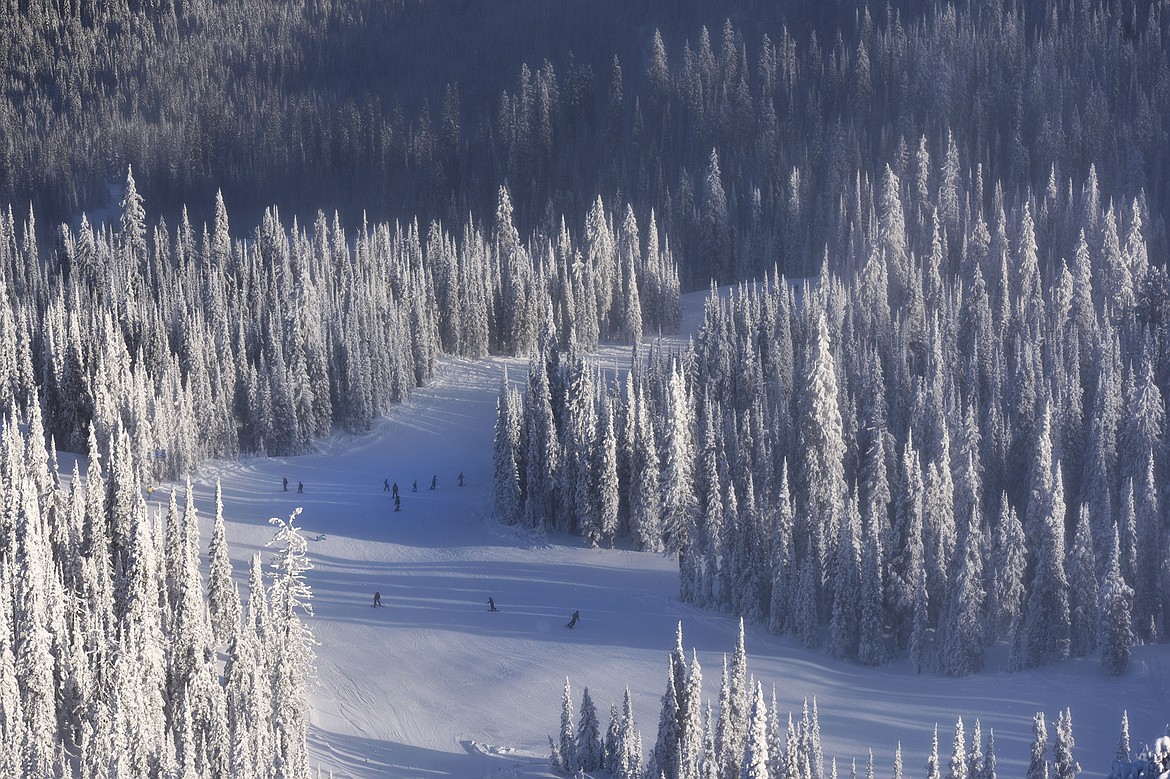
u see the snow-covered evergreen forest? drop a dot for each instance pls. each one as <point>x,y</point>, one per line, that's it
<point>747,737</point>
<point>922,451</point>
<point>110,636</point>
<point>907,458</point>
<point>405,109</point>
<point>199,346</point>
<point>923,420</point>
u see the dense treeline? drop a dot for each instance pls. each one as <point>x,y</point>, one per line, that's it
<point>285,101</point>
<point>307,104</point>
<point>198,345</point>
<point>903,459</point>
<point>747,739</point>
<point>110,643</point>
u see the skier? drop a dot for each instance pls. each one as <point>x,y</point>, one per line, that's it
<point>491,604</point>
<point>385,485</point>
<point>377,599</point>
<point>286,484</point>
<point>414,487</point>
<point>461,479</point>
<point>435,482</point>
<point>300,487</point>
<point>397,503</point>
<point>573,621</point>
<point>394,489</point>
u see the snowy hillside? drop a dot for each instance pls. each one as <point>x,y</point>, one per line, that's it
<point>435,685</point>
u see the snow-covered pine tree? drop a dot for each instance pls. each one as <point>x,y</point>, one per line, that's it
<point>629,746</point>
<point>12,723</point>
<point>666,758</point>
<point>678,670</point>
<point>132,223</point>
<point>975,754</point>
<point>792,752</point>
<point>629,255</point>
<point>816,756</point>
<point>919,648</point>
<point>938,525</point>
<point>780,612</point>
<point>240,712</point>
<point>611,743</point>
<point>965,622</point>
<point>1151,537</point>
<point>755,758</point>
<point>873,648</point>
<point>293,656</point>
<point>733,721</point>
<point>775,738</point>
<point>190,627</point>
<point>1115,629</point>
<point>724,725</point>
<point>1047,614</point>
<point>933,766</point>
<point>645,500</point>
<point>31,629</point>
<point>566,747</point>
<point>1127,531</point>
<point>679,506</point>
<point>822,451</point>
<point>1084,596</point>
<point>957,768</point>
<point>989,771</point>
<point>1008,560</point>
<point>716,229</point>
<point>843,626</point>
<point>1123,748</point>
<point>906,553</point>
<point>556,760</point>
<point>607,476</point>
<point>543,453</point>
<point>891,238</point>
<point>506,455</point>
<point>1066,767</point>
<point>805,608</point>
<point>691,745</point>
<point>589,752</point>
<point>222,596</point>
<point>1038,766</point>
<point>709,763</point>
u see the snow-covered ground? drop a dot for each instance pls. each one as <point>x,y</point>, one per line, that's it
<point>434,685</point>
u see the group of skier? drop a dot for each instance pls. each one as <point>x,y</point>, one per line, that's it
<point>386,487</point>
<point>393,488</point>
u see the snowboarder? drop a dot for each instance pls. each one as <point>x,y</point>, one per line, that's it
<point>394,489</point>
<point>573,621</point>
<point>435,482</point>
<point>385,485</point>
<point>397,503</point>
<point>491,604</point>
<point>300,487</point>
<point>286,484</point>
<point>460,479</point>
<point>377,599</point>
<point>414,487</point>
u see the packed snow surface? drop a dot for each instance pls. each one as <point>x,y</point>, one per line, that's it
<point>435,685</point>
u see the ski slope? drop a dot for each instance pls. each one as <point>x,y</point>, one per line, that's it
<point>434,685</point>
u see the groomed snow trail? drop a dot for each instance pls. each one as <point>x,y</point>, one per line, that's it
<point>434,685</point>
